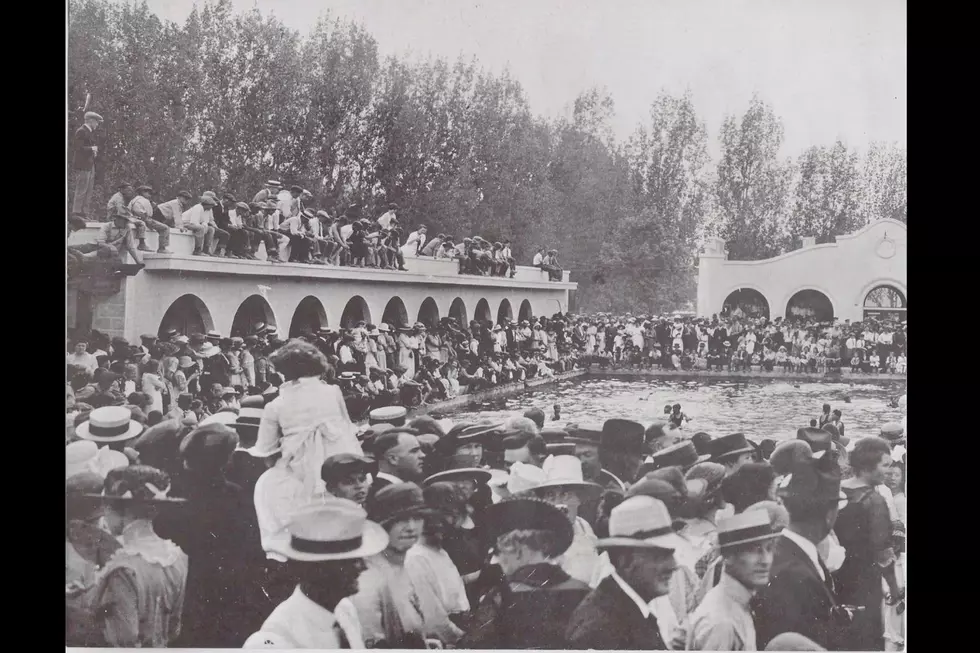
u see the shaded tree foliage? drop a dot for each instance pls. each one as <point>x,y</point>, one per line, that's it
<point>227,100</point>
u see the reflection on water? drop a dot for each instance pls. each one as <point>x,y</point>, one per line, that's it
<point>758,409</point>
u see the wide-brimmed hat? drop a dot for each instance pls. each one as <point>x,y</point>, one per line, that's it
<point>398,501</point>
<point>333,529</point>
<point>250,413</point>
<point>818,439</point>
<point>749,526</point>
<point>682,454</point>
<point>525,513</point>
<point>622,435</point>
<point>641,522</point>
<point>476,474</point>
<point>86,456</point>
<point>109,424</point>
<point>565,473</point>
<point>730,445</point>
<point>394,415</point>
<point>584,435</point>
<point>522,478</point>
<point>130,486</point>
<point>893,431</point>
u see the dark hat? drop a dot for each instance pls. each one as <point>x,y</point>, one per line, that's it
<point>295,189</point>
<point>584,435</point>
<point>530,514</point>
<point>208,447</point>
<point>249,414</point>
<point>123,184</point>
<point>242,206</point>
<point>136,484</point>
<point>341,464</point>
<point>817,479</point>
<point>622,435</point>
<point>818,439</point>
<point>766,447</point>
<point>144,188</point>
<point>560,448</point>
<point>398,501</point>
<point>536,415</point>
<point>730,445</point>
<point>702,443</point>
<point>185,194</point>
<point>91,115</point>
<point>554,435</point>
<point>683,455</point>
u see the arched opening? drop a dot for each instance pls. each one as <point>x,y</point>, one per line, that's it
<point>355,311</point>
<point>457,311</point>
<point>747,302</point>
<point>253,311</point>
<point>395,314</point>
<point>504,313</point>
<point>482,312</point>
<point>885,303</point>
<point>188,315</point>
<point>308,317</point>
<point>810,305</point>
<point>429,313</point>
<point>525,313</point>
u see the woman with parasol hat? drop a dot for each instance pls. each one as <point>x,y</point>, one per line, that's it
<point>531,605</point>
<point>138,598</point>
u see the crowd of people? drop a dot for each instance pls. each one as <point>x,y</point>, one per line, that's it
<point>737,343</point>
<point>283,219</point>
<point>275,521</point>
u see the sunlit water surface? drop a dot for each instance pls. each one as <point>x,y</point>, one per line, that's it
<point>760,409</point>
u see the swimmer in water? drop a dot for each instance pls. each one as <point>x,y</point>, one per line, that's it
<point>677,418</point>
<point>813,423</point>
<point>557,416</point>
<point>667,411</point>
<point>825,416</point>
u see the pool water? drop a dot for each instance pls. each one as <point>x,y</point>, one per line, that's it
<point>760,409</point>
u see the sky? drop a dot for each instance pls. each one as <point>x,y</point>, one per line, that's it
<point>831,69</point>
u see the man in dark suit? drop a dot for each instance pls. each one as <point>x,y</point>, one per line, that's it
<point>85,149</point>
<point>400,456</point>
<point>616,614</point>
<point>800,596</point>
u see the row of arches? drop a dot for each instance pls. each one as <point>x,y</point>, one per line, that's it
<point>881,301</point>
<point>188,314</point>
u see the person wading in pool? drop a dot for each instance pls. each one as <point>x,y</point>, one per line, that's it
<point>677,418</point>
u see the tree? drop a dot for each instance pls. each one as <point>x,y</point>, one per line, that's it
<point>753,183</point>
<point>827,196</point>
<point>884,183</point>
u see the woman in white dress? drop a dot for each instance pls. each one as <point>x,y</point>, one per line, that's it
<point>153,385</point>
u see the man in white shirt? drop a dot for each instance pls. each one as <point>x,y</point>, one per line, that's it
<point>506,254</point>
<point>174,209</point>
<point>199,221</point>
<point>142,208</point>
<point>296,228</point>
<point>288,202</point>
<point>415,242</point>
<point>538,258</point>
<point>389,219</point>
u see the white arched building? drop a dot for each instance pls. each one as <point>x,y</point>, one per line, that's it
<point>864,273</point>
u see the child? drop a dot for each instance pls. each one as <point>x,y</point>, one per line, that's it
<point>875,361</point>
<point>890,363</point>
<point>855,362</point>
<point>901,365</point>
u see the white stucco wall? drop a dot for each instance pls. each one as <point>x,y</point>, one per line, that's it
<point>844,271</point>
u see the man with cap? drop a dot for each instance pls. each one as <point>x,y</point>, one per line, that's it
<point>226,217</point>
<point>325,549</point>
<point>723,620</point>
<point>800,596</point>
<point>116,237</point>
<point>119,205</point>
<point>269,192</point>
<point>199,221</point>
<point>616,614</point>
<point>732,451</point>
<point>348,476</point>
<point>141,208</point>
<point>535,600</point>
<point>170,212</point>
<point>218,533</point>
<point>85,150</point>
<point>295,228</point>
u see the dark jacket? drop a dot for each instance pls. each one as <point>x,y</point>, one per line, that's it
<point>530,611</point>
<point>82,157</point>
<point>797,600</point>
<point>217,531</point>
<point>220,213</point>
<point>608,619</point>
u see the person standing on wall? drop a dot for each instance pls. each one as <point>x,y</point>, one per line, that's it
<point>85,149</point>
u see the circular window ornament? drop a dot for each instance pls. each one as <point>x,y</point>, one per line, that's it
<point>886,247</point>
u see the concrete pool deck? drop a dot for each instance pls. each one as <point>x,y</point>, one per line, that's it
<point>466,400</point>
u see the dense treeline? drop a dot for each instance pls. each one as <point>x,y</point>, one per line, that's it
<point>227,100</point>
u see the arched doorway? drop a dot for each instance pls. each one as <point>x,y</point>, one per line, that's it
<point>429,313</point>
<point>810,304</point>
<point>188,315</point>
<point>482,313</point>
<point>457,311</point>
<point>504,313</point>
<point>395,314</point>
<point>253,311</point>
<point>308,317</point>
<point>746,301</point>
<point>885,303</point>
<point>355,311</point>
<point>525,313</point>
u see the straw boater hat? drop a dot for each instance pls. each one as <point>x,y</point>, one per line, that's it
<point>744,528</point>
<point>525,513</point>
<point>333,529</point>
<point>476,474</point>
<point>565,473</point>
<point>86,456</point>
<point>394,415</point>
<point>641,522</point>
<point>109,424</point>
